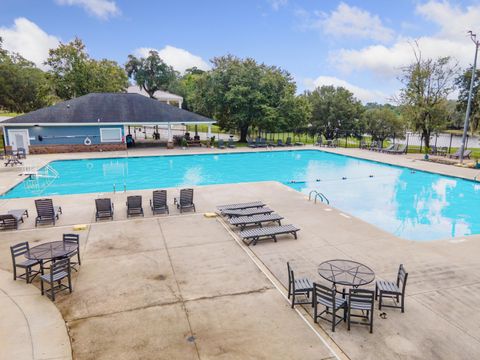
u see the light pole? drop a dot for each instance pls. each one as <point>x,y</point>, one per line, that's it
<point>469,102</point>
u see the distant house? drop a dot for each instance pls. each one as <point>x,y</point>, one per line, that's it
<point>94,122</point>
<point>159,95</point>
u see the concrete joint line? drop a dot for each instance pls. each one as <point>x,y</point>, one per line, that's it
<point>275,283</point>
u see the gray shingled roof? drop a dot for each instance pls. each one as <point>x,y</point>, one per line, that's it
<point>109,108</point>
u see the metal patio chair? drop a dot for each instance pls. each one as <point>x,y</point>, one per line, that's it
<point>328,298</point>
<point>21,249</point>
<point>360,300</point>
<point>301,286</point>
<point>75,239</point>
<point>59,270</point>
<point>392,290</point>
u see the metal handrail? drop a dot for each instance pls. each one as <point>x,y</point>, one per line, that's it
<point>322,197</point>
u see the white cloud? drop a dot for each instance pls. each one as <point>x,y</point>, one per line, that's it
<point>102,9</point>
<point>277,4</point>
<point>454,21</point>
<point>29,40</point>
<point>347,21</point>
<point>451,40</point>
<point>179,59</point>
<point>360,93</point>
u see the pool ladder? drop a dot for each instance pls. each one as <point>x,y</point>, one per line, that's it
<point>318,195</point>
<point>115,188</point>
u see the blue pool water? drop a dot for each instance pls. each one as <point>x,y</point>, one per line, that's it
<point>411,204</point>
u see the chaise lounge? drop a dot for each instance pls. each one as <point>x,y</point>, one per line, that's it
<point>134,205</point>
<point>46,212</point>
<point>244,221</point>
<point>246,212</point>
<point>158,203</point>
<point>104,209</point>
<point>252,236</point>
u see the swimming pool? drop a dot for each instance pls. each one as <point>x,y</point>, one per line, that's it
<point>410,204</point>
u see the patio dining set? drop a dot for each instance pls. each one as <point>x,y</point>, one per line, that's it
<point>357,303</point>
<point>52,261</point>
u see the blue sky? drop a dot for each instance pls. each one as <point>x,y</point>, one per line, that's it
<point>357,44</point>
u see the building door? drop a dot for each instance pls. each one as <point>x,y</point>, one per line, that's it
<point>18,139</point>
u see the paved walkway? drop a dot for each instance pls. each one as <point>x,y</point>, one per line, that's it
<point>31,327</point>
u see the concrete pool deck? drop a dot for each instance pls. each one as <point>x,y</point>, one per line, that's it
<point>147,286</point>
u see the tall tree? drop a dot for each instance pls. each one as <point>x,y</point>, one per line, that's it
<point>427,84</point>
<point>73,73</point>
<point>335,111</point>
<point>240,93</point>
<point>151,73</point>
<point>463,83</point>
<point>382,123</point>
<point>23,87</point>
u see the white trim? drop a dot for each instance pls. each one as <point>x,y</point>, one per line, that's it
<point>24,132</point>
<point>119,139</point>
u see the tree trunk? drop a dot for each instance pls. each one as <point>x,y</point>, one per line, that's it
<point>243,134</point>
<point>426,139</point>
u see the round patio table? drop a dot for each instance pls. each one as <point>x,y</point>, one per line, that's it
<point>346,272</point>
<point>50,250</point>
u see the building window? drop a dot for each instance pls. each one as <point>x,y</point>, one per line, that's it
<point>110,135</point>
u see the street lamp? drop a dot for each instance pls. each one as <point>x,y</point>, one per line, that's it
<point>469,103</point>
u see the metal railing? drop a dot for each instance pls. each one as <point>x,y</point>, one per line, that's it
<point>318,195</point>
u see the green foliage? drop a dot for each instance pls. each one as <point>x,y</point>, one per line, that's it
<point>382,123</point>
<point>335,111</point>
<point>186,86</point>
<point>240,94</point>
<point>23,87</point>
<point>427,83</point>
<point>150,73</point>
<point>73,73</point>
<point>463,84</point>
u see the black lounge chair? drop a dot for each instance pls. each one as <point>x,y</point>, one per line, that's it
<point>252,236</point>
<point>46,212</point>
<point>251,143</point>
<point>392,290</point>
<point>75,239</point>
<point>261,143</point>
<point>231,144</point>
<point>319,142</point>
<point>104,209</point>
<point>466,154</point>
<point>280,143</point>
<point>185,201</point>
<point>244,221</point>
<point>158,203</point>
<point>12,219</point>
<point>241,206</point>
<point>328,297</point>
<point>246,212</point>
<point>8,222</point>
<point>221,144</point>
<point>360,300</point>
<point>20,250</point>
<point>134,205</point>
<point>288,142</point>
<point>298,287</point>
<point>59,270</point>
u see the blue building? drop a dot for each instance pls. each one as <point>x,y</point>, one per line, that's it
<point>94,122</point>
